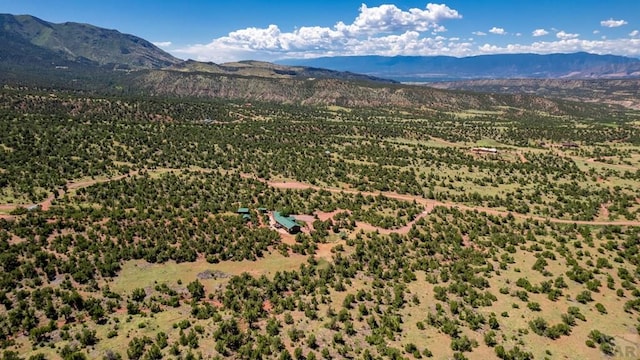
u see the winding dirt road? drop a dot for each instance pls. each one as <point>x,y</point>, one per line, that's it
<point>428,204</point>
<point>46,203</point>
<point>431,204</point>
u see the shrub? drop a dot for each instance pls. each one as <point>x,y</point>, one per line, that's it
<point>534,306</point>
<point>601,309</point>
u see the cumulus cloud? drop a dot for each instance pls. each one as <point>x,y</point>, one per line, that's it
<point>613,23</point>
<point>634,33</point>
<point>539,32</point>
<point>162,43</point>
<point>389,18</point>
<point>387,30</point>
<point>629,47</point>
<point>375,28</point>
<point>565,35</point>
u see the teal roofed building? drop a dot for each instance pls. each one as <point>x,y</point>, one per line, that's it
<point>286,222</point>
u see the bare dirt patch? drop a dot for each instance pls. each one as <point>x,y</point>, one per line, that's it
<point>324,251</point>
<point>522,157</point>
<point>324,216</point>
<point>7,217</point>
<point>604,210</point>
<point>267,306</point>
<point>306,218</point>
<point>290,185</point>
<point>286,237</point>
<point>7,207</point>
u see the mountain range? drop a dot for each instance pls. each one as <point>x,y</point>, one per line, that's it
<point>29,41</point>
<point>34,52</point>
<point>83,51</point>
<point>502,66</point>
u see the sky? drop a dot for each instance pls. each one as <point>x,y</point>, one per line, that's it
<point>222,31</point>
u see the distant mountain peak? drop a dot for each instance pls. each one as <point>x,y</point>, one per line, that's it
<point>580,65</point>
<point>71,41</point>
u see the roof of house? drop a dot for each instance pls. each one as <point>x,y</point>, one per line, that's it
<point>243,210</point>
<point>485,149</point>
<point>285,221</point>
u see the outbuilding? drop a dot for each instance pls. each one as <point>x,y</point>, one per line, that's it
<point>485,150</point>
<point>286,222</point>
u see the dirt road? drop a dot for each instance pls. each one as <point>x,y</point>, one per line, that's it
<point>46,203</point>
<point>430,204</point>
<point>296,185</point>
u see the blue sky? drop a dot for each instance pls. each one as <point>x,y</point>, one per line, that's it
<point>222,31</point>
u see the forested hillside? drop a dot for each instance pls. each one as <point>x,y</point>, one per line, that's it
<point>489,231</point>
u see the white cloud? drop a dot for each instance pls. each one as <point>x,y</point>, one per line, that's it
<point>613,23</point>
<point>628,47</point>
<point>565,35</point>
<point>634,33</point>
<point>539,32</point>
<point>371,29</point>
<point>389,18</point>
<point>438,29</point>
<point>387,30</point>
<point>596,32</point>
<point>162,43</point>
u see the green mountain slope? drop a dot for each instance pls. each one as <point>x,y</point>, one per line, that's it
<point>55,44</point>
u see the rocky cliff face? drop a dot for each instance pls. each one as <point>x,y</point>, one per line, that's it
<point>332,92</point>
<point>624,92</point>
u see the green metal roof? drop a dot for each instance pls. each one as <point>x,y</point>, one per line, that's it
<point>243,210</point>
<point>287,222</point>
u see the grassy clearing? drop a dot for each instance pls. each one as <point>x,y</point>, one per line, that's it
<point>336,108</point>
<point>140,274</point>
<point>471,113</point>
